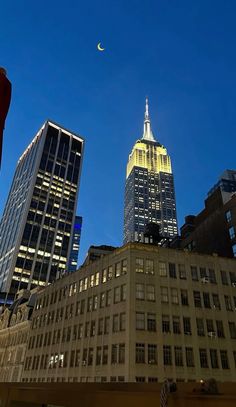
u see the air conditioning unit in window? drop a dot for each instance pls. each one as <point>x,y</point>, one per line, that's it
<point>212,334</point>
<point>205,280</point>
<point>84,362</point>
<point>187,333</point>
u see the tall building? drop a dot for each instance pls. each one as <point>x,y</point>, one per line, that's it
<point>213,230</point>
<point>36,227</point>
<point>226,182</point>
<point>149,188</point>
<point>142,313</point>
<point>75,244</point>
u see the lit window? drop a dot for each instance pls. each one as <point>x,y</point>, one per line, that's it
<point>231,233</point>
<point>234,250</point>
<point>228,216</point>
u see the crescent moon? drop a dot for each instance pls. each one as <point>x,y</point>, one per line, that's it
<point>99,47</point>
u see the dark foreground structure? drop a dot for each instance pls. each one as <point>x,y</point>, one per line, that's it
<point>104,395</point>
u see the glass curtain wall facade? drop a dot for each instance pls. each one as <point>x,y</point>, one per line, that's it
<point>149,189</point>
<point>75,244</point>
<point>36,227</point>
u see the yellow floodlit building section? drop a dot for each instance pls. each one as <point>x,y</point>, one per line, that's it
<point>152,157</point>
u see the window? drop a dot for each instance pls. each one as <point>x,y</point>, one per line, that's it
<point>121,353</point>
<point>234,249</point>
<point>167,355</point>
<point>184,297</point>
<point>99,355</point>
<point>151,322</point>
<point>182,272</point>
<point>96,279</point>
<point>228,216</point>
<point>140,320</point>
<point>172,270</point>
<point>232,276</point>
<point>162,269</point>
<point>220,329</point>
<point>100,326</point>
<point>90,304</point>
<point>224,277</point>
<point>122,321</point>
<point>95,302</point>
<point>152,354</point>
<point>228,303</point>
<point>203,273</point>
<point>234,355</point>
<point>203,358</point>
<point>106,325</point>
<point>77,358</point>
<point>200,327</point>
<point>152,379</point>
<point>110,272</point>
<point>231,233</point>
<point>224,359</point>
<point>214,359</point>
<point>176,325</point>
<point>90,356</point>
<point>140,291</point>
<point>105,355</point>
<point>118,269</point>
<point>102,300</point>
<point>164,294</point>
<point>232,330</point>
<point>194,273</point>
<point>114,354</point>
<point>108,298</point>
<point>115,323</point>
<point>165,323</point>
<point>150,292</point>
<point>104,276</point>
<point>178,356</point>
<point>206,300</point>
<point>174,296</point>
<point>86,332</point>
<point>116,295</point>
<point>189,357</point>
<point>210,326</point>
<point>216,301</point>
<point>140,353</point>
<point>149,266</point>
<point>139,265</point>
<point>85,355</point>
<point>140,379</point>
<point>212,276</point>
<point>197,299</point>
<point>187,325</point>
<point>124,267</point>
<point>123,292</point>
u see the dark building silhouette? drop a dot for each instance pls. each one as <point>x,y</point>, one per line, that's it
<point>213,230</point>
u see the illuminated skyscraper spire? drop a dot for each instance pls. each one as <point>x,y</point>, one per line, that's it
<point>147,131</point>
<point>149,188</point>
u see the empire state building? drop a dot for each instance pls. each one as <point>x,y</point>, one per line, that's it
<point>149,188</point>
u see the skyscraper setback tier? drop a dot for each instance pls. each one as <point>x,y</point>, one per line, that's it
<point>149,189</point>
<point>36,227</point>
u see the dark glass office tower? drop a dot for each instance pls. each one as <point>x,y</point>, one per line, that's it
<point>37,224</point>
<point>75,244</point>
<point>149,188</point>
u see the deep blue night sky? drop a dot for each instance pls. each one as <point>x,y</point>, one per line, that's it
<point>179,53</point>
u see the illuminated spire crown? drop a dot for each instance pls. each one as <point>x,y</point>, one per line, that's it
<point>147,131</point>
